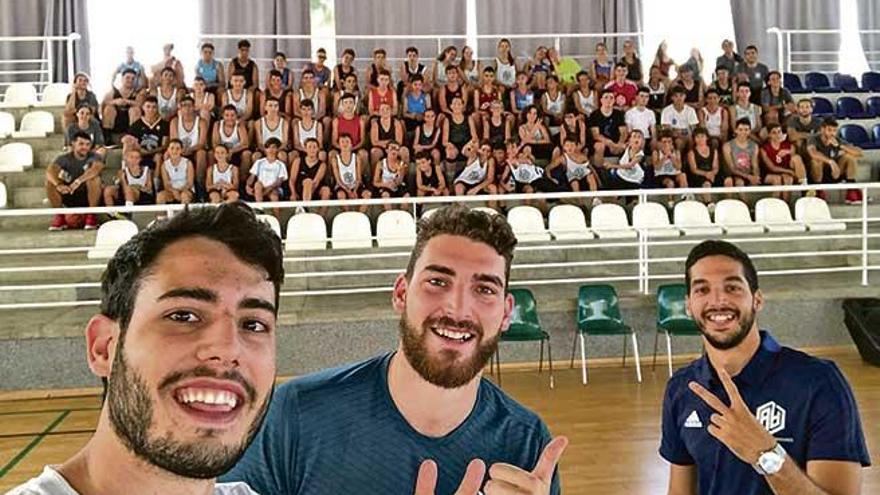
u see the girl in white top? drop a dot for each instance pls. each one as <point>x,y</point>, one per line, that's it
<point>584,96</point>
<point>578,172</point>
<point>629,173</point>
<point>469,68</point>
<point>134,183</point>
<point>178,175</point>
<point>222,181</point>
<point>444,60</point>
<point>505,65</point>
<point>667,165</point>
<point>477,176</point>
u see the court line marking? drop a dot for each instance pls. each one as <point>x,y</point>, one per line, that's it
<point>50,434</point>
<point>36,441</point>
<point>38,411</point>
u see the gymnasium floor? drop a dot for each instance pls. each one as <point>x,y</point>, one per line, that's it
<point>613,425</point>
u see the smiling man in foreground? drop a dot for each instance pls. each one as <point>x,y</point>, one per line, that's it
<point>186,345</point>
<point>422,419</point>
<point>752,417</point>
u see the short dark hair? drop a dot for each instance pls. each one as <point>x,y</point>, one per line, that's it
<point>621,64</point>
<point>412,49</point>
<point>829,122</point>
<point>208,45</point>
<point>81,135</point>
<point>244,44</point>
<point>712,91</point>
<point>348,51</point>
<point>280,54</point>
<point>307,71</point>
<point>459,220</point>
<point>175,141</point>
<point>772,126</point>
<point>129,71</point>
<point>423,155</point>
<point>233,224</point>
<point>751,47</point>
<point>743,121</point>
<point>229,106</point>
<point>701,130</point>
<point>188,98</point>
<point>416,77</point>
<point>272,141</point>
<point>275,73</point>
<point>238,72</point>
<point>721,248</point>
<point>307,103</point>
<point>678,90</point>
<point>150,99</point>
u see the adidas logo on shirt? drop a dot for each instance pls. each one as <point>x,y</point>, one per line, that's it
<point>693,421</point>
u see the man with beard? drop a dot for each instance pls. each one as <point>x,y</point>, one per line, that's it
<point>422,418</point>
<point>751,416</point>
<point>185,344</point>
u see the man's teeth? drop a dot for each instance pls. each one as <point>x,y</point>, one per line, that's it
<point>449,334</point>
<point>206,396</point>
<point>721,317</point>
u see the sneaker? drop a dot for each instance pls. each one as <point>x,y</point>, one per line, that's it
<point>58,223</point>
<point>91,222</point>
<point>853,197</point>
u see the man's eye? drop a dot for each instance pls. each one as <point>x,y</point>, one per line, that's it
<point>255,326</point>
<point>436,282</point>
<point>486,290</point>
<point>183,317</point>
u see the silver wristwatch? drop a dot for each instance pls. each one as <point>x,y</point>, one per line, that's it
<point>771,462</point>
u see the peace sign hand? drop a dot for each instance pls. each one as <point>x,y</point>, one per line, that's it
<point>735,426</point>
<point>509,479</point>
<point>426,482</point>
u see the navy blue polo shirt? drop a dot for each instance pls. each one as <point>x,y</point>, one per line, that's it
<point>803,401</point>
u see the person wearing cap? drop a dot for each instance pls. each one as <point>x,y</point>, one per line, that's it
<point>752,417</point>
<point>80,94</point>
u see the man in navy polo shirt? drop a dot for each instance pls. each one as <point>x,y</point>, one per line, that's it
<point>751,416</point>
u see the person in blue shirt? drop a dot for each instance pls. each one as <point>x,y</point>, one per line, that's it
<point>140,80</point>
<point>751,416</point>
<point>421,419</point>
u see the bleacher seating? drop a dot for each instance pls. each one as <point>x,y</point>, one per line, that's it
<point>306,231</point>
<point>527,223</point>
<point>822,107</point>
<point>110,236</point>
<point>733,216</point>
<point>54,95</point>
<point>851,108</point>
<point>847,83</point>
<point>36,124</point>
<point>16,157</point>
<point>273,222</point>
<point>871,81</point>
<point>774,215</point>
<point>872,106</point>
<point>351,229</point>
<point>814,213</point>
<point>608,221</point>
<point>858,136</point>
<point>19,95</point>
<point>653,219</point>
<point>4,195</point>
<point>819,83</point>
<point>792,82</point>
<point>568,223</point>
<point>692,217</point>
<point>7,124</point>
<point>395,228</point>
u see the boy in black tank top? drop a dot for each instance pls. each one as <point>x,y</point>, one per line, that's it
<point>429,176</point>
<point>244,64</point>
<point>308,176</point>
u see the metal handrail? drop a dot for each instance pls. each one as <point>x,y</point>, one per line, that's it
<point>70,40</point>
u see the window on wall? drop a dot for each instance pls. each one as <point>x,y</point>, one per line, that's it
<point>115,24</point>
<point>700,24</point>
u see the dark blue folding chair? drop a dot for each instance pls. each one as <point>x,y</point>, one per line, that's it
<point>849,107</point>
<point>876,132</point>
<point>847,83</point>
<point>822,107</point>
<point>792,83</point>
<point>818,82</point>
<point>857,136</point>
<point>871,81</point>
<point>872,106</point>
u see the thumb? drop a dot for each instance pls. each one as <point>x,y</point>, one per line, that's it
<point>549,458</point>
<point>473,478</point>
<point>427,478</point>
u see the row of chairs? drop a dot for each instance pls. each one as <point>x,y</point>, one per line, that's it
<point>22,95</point>
<point>817,82</point>
<point>34,124</point>
<point>598,314</point>
<point>16,157</point>
<point>859,136</point>
<point>847,107</point>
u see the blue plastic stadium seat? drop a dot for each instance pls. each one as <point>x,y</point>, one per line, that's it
<point>871,81</point>
<point>792,83</point>
<point>818,82</point>
<point>858,136</point>
<point>851,108</point>
<point>876,132</point>
<point>847,83</point>
<point>822,107</point>
<point>872,106</point>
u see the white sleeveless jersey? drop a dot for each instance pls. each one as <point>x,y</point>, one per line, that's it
<point>713,121</point>
<point>473,174</point>
<point>314,98</point>
<point>505,73</point>
<point>347,171</point>
<point>190,137</point>
<point>633,175</point>
<point>166,106</point>
<point>136,181</point>
<point>556,105</point>
<point>232,140</point>
<point>240,104</point>
<point>667,167</point>
<point>576,171</point>
<point>588,103</point>
<point>473,75</point>
<point>526,173</point>
<point>307,133</point>
<point>266,132</point>
<point>221,177</point>
<point>176,174</point>
<point>388,175</point>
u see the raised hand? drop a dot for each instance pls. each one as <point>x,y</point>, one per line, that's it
<point>735,426</point>
<point>509,479</point>
<point>426,482</point>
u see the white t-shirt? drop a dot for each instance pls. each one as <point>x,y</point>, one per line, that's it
<point>641,119</point>
<point>679,120</point>
<point>50,482</point>
<point>269,172</point>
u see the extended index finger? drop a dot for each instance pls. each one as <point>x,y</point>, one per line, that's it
<point>730,387</point>
<point>426,481</point>
<point>473,478</point>
<point>708,397</point>
<point>549,458</point>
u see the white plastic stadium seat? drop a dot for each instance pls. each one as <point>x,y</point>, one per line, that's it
<point>16,157</point>
<point>654,218</point>
<point>19,95</point>
<point>815,214</point>
<point>7,124</point>
<point>306,231</point>
<point>55,95</point>
<point>351,229</point>
<point>395,228</point>
<point>733,216</point>
<point>4,196</point>
<point>692,217</point>
<point>773,213</point>
<point>608,221</point>
<point>527,223</point>
<point>110,236</point>
<point>272,222</point>
<point>568,223</point>
<point>36,124</point>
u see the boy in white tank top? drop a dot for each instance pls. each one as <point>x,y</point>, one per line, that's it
<point>134,184</point>
<point>192,131</point>
<point>178,176</point>
<point>271,125</point>
<point>222,180</point>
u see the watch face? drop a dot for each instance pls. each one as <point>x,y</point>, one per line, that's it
<point>771,462</point>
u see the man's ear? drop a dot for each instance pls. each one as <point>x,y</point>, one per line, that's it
<point>759,300</point>
<point>687,305</point>
<point>398,295</point>
<point>102,334</point>
<point>508,311</point>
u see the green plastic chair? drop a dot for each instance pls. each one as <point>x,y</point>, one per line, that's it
<point>672,319</point>
<point>599,314</point>
<point>526,327</point>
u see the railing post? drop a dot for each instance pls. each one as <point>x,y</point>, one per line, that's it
<point>864,236</point>
<point>49,62</point>
<point>788,52</point>
<point>779,52</point>
<point>71,67</point>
